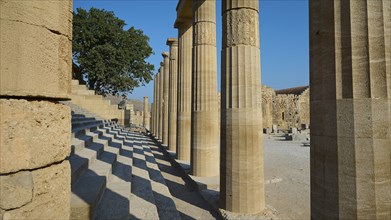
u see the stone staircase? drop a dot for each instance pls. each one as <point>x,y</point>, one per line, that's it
<point>95,104</point>
<point>114,173</point>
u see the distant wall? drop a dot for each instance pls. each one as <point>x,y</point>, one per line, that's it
<point>285,110</point>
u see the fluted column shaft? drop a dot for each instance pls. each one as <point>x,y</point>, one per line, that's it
<point>153,109</point>
<point>241,174</point>
<point>166,84</point>
<point>152,117</point>
<point>172,108</point>
<point>155,100</point>
<point>161,75</point>
<point>204,138</point>
<point>185,41</point>
<point>350,83</point>
<point>146,113</point>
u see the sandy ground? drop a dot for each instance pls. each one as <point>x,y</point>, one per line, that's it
<point>287,182</point>
<point>287,177</point>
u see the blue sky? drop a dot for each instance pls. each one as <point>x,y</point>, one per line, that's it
<point>283,27</point>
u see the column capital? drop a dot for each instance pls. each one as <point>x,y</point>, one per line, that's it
<point>238,4</point>
<point>165,55</point>
<point>183,22</point>
<point>184,12</point>
<point>172,42</point>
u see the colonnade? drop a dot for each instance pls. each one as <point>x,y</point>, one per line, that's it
<point>350,79</point>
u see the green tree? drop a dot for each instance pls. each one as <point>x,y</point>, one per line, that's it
<point>110,59</point>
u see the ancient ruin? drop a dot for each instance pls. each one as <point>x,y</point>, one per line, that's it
<point>67,153</point>
<point>204,116</point>
<point>173,93</point>
<point>241,177</point>
<point>185,44</point>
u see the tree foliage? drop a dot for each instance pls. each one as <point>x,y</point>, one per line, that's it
<point>110,59</point>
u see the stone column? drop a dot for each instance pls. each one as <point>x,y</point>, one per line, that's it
<point>155,106</point>
<point>241,174</point>
<point>204,138</point>
<point>166,84</point>
<point>185,41</point>
<point>152,117</point>
<point>172,108</point>
<point>161,107</point>
<point>146,114</point>
<point>350,83</point>
<point>36,64</point>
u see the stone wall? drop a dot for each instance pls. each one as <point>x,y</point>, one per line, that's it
<point>268,96</point>
<point>287,110</point>
<point>137,118</point>
<point>304,108</point>
<point>35,66</point>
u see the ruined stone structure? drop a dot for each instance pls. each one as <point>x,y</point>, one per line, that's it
<point>185,44</point>
<point>350,81</point>
<point>97,104</point>
<point>241,177</point>
<point>350,74</point>
<point>146,114</point>
<point>165,101</point>
<point>173,93</point>
<point>137,118</point>
<point>287,108</point>
<point>342,90</point>
<point>161,108</point>
<point>35,129</point>
<point>268,95</point>
<point>204,118</point>
<point>290,107</point>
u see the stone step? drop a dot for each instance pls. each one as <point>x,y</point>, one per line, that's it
<point>94,97</point>
<point>81,92</point>
<point>98,103</point>
<point>78,87</point>
<point>102,167</point>
<point>84,118</point>
<point>114,173</point>
<point>88,148</point>
<point>91,128</point>
<point>82,161</point>
<point>142,200</point>
<point>115,203</point>
<point>86,123</point>
<point>164,201</point>
<point>75,82</point>
<point>86,194</point>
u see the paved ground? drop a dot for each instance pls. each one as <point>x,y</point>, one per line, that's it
<point>287,184</point>
<point>188,202</point>
<point>287,176</point>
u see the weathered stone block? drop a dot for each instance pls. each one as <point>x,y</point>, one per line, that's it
<point>35,61</point>
<point>293,130</point>
<point>16,190</point>
<point>53,15</point>
<point>274,129</point>
<point>33,134</point>
<point>266,131</point>
<point>51,195</point>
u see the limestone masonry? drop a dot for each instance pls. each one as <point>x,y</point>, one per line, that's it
<point>67,153</point>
